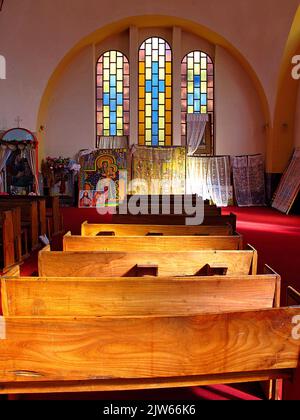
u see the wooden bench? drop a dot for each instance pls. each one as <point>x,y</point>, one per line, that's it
<point>20,252</point>
<point>88,229</point>
<point>140,264</point>
<point>227,331</point>
<point>7,242</point>
<point>54,219</point>
<point>29,216</point>
<point>150,243</point>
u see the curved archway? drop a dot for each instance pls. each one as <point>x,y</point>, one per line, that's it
<point>285,110</point>
<point>151,21</point>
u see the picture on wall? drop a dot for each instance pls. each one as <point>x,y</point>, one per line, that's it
<point>102,178</point>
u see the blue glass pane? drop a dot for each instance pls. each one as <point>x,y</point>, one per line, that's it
<point>113,118</point>
<point>113,130</point>
<point>197,106</point>
<point>197,81</point>
<point>155,104</point>
<point>119,99</point>
<point>154,140</point>
<point>106,99</point>
<point>148,86</point>
<point>155,130</point>
<point>113,81</point>
<point>155,80</point>
<point>203,99</point>
<point>162,86</point>
<point>155,117</point>
<point>197,94</point>
<point>113,105</point>
<point>155,93</point>
<point>155,67</point>
<point>190,99</point>
<point>113,93</point>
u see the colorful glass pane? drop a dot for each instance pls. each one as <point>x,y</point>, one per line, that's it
<point>197,86</point>
<point>113,99</point>
<point>155,93</point>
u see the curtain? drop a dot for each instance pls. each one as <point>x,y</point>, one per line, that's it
<point>4,156</point>
<point>112,142</point>
<point>196,177</point>
<point>219,180</point>
<point>196,124</point>
<point>31,159</point>
<point>158,170</point>
<point>249,180</point>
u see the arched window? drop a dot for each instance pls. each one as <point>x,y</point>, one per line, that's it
<point>155,93</point>
<point>197,87</point>
<point>113,94</point>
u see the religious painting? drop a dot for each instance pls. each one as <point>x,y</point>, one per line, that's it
<point>19,176</point>
<point>103,178</point>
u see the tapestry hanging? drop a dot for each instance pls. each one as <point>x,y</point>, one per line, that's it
<point>289,186</point>
<point>249,180</point>
<point>158,170</point>
<point>102,178</point>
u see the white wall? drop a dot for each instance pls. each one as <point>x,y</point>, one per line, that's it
<point>297,128</point>
<point>239,117</point>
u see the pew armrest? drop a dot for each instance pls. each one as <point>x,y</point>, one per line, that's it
<point>293,297</point>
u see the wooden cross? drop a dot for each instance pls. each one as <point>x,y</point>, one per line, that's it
<point>18,121</point>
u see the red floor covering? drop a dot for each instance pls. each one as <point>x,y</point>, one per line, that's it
<point>277,239</point>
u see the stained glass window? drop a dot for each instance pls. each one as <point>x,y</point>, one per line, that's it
<point>197,86</point>
<point>113,94</point>
<point>155,93</point>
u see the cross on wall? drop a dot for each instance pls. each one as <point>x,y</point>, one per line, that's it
<point>18,121</point>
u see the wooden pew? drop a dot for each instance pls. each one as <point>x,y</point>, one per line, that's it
<point>7,242</point>
<point>17,227</point>
<point>29,216</point>
<point>88,229</point>
<point>53,216</point>
<point>85,354</point>
<point>139,264</point>
<point>151,243</point>
<point>136,297</point>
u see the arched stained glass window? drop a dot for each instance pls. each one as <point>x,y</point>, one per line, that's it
<point>155,93</point>
<point>197,86</point>
<point>113,94</point>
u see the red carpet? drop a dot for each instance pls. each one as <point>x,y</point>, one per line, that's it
<point>277,239</point>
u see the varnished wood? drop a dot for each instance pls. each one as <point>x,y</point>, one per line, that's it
<point>7,240</point>
<point>38,350</point>
<point>132,297</point>
<point>142,230</point>
<point>150,243</point>
<point>122,264</point>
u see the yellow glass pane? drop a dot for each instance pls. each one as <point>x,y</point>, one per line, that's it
<point>141,92</point>
<point>106,124</point>
<point>106,62</point>
<point>141,116</point>
<point>161,123</point>
<point>197,69</point>
<point>120,111</point>
<point>168,104</point>
<point>155,55</point>
<point>168,117</point>
<point>106,111</point>
<point>148,110</point>
<point>203,87</point>
<point>148,123</point>
<point>203,75</point>
<point>141,129</point>
<point>113,68</point>
<point>190,63</point>
<point>162,74</point>
<point>162,61</point>
<point>120,75</point>
<point>168,80</point>
<point>120,132</point>
<point>168,141</point>
<point>203,109</point>
<point>161,135</point>
<point>190,109</point>
<point>190,76</point>
<point>141,104</point>
<point>161,99</point>
<point>141,67</point>
<point>148,74</point>
<point>106,87</point>
<point>203,63</point>
<point>168,68</point>
<point>148,136</point>
<point>113,55</point>
<point>120,61</point>
<point>168,92</point>
<point>106,75</point>
<point>148,98</point>
<point>161,110</point>
<point>119,87</point>
<point>168,129</point>
<point>190,87</point>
